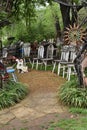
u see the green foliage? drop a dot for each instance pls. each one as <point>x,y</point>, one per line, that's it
<point>70,94</point>
<point>38,27</point>
<point>30,22</point>
<point>70,124</point>
<point>11,94</point>
<point>78,111</point>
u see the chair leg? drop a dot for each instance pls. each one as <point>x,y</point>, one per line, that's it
<point>45,65</point>
<point>58,68</point>
<point>14,77</point>
<point>37,65</point>
<point>69,73</point>
<point>54,65</point>
<point>24,61</point>
<point>30,61</point>
<point>33,64</point>
<point>63,71</point>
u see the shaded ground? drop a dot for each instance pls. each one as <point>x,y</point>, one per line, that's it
<point>40,107</point>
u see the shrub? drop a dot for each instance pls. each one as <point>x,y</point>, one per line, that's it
<point>11,94</point>
<point>70,94</point>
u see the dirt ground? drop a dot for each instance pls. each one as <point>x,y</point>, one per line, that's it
<point>42,100</point>
<point>41,81</point>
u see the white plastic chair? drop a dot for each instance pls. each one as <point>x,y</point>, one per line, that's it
<point>70,66</point>
<point>40,56</point>
<point>63,60</point>
<point>49,57</point>
<point>26,49</point>
<point>50,50</point>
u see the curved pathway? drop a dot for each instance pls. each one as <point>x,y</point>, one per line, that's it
<point>41,101</point>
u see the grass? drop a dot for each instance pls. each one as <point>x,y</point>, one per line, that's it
<point>49,67</point>
<point>81,111</point>
<point>42,68</point>
<point>71,124</point>
<point>78,123</point>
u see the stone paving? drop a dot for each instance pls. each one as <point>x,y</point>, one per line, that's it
<point>37,104</point>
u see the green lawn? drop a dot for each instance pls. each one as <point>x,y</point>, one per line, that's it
<point>70,124</point>
<point>79,123</point>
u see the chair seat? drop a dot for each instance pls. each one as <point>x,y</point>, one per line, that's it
<point>59,60</point>
<point>47,59</point>
<point>71,64</point>
<point>10,70</point>
<point>64,62</point>
<point>35,58</point>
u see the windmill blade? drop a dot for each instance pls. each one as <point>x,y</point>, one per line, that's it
<point>70,26</point>
<point>66,32</point>
<point>74,26</point>
<point>67,28</point>
<point>66,35</point>
<point>67,39</point>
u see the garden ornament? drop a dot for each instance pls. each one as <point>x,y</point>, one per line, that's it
<point>20,66</point>
<point>74,35</point>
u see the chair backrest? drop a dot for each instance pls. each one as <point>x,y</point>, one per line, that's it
<point>65,53</point>
<point>41,51</point>
<point>72,50</point>
<point>26,49</point>
<point>50,50</point>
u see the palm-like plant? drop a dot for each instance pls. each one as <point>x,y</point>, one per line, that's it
<point>11,94</point>
<point>71,95</point>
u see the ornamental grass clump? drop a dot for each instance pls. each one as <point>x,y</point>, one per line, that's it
<point>71,94</point>
<point>12,93</point>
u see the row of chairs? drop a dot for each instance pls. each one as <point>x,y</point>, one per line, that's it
<point>68,54</point>
<point>40,59</point>
<point>36,60</point>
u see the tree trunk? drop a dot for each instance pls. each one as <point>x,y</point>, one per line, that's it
<point>58,28</point>
<point>65,11</point>
<point>74,16</point>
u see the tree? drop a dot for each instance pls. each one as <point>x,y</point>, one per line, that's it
<point>69,10</point>
<point>27,9</point>
<point>56,16</point>
<point>14,10</point>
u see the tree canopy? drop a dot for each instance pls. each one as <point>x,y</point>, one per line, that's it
<point>12,11</point>
<point>27,7</point>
